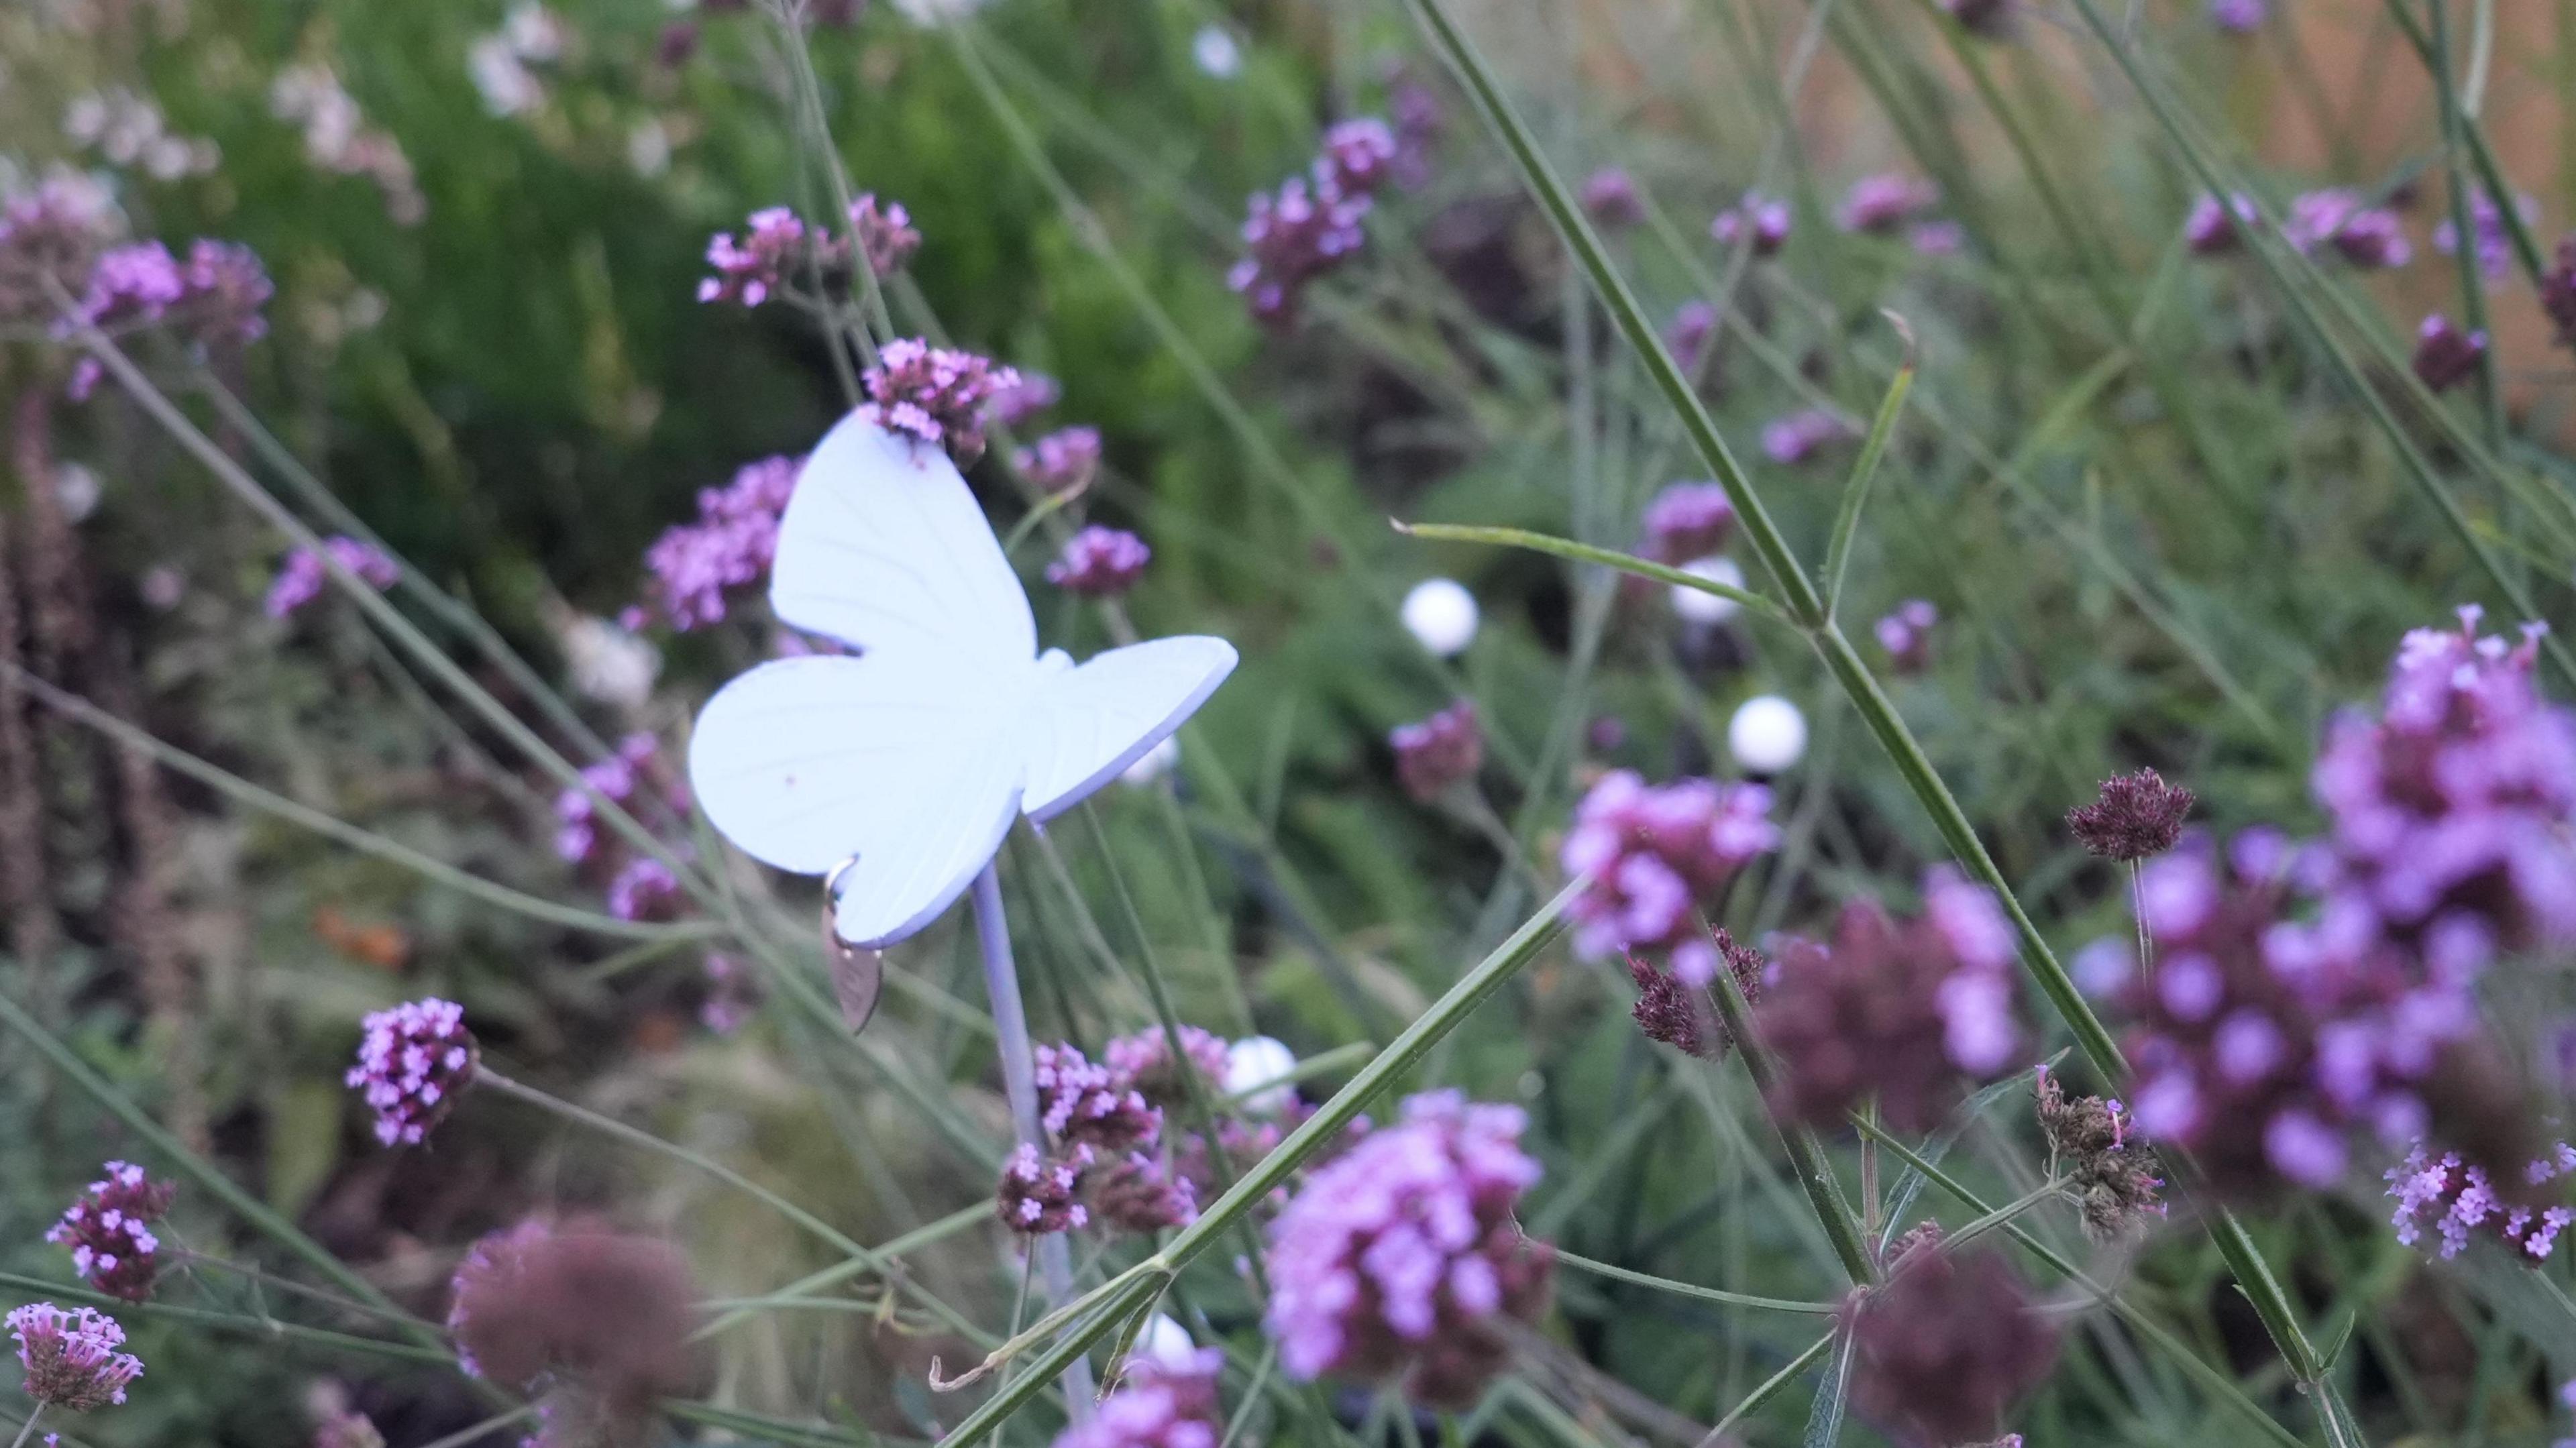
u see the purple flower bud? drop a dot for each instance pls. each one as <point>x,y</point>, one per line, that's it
<point>2366,236</point>
<point>1906,634</point>
<point>2558,292</point>
<point>2239,17</point>
<point>2445,356</point>
<point>936,395</point>
<point>1803,435</point>
<point>412,1062</point>
<point>1038,1194</point>
<point>303,576</point>
<point>1687,521</point>
<point>2213,228</point>
<point>2137,815</point>
<point>2486,219</point>
<point>1062,462</point>
<point>1946,1344</point>
<point>1878,205</point>
<point>1442,750</point>
<point>1100,562</point>
<point>1694,326</point>
<point>1754,220</point>
<point>1657,856</point>
<point>1610,198</point>
<point>729,548</point>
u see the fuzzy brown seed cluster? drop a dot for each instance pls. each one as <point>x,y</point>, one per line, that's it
<point>600,1319</point>
<point>2138,815</point>
<point>2110,1171</point>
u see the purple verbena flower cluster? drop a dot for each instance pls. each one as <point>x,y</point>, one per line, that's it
<point>1144,1062</point>
<point>1022,398</point>
<point>1397,1259</point>
<point>1311,224</point>
<point>1434,753</point>
<point>1755,220</point>
<point>1802,435</point>
<point>2455,1198</point>
<point>1878,205</point>
<point>2369,236</point>
<point>2449,812</point>
<point>1659,855</point>
<point>1041,1194</point>
<point>729,547</point>
<point>1100,562</point>
<point>1907,1012</point>
<point>1690,331</point>
<point>2264,1036</point>
<point>2493,246</point>
<point>51,235</point>
<point>1158,1404</point>
<point>412,1062</point>
<point>643,889</point>
<point>617,778</point>
<point>1063,462</point>
<point>936,395</point>
<point>1906,634</point>
<point>1687,521</point>
<point>883,233</point>
<point>2214,227</point>
<point>301,578</point>
<point>71,1358</point>
<point>774,243</point>
<point>732,994</point>
<point>108,1229</point>
<point>1611,199</point>
<point>1082,1101</point>
<point>2239,17</point>
<point>2445,356</point>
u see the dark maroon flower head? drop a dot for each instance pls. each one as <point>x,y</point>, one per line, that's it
<point>1136,1194</point>
<point>1434,753</point>
<point>2445,356</point>
<point>109,1231</point>
<point>2138,815</point>
<point>1611,199</point>
<point>1686,1018</point>
<point>1948,1343</point>
<point>2558,291</point>
<point>578,1307</point>
<point>1907,1012</point>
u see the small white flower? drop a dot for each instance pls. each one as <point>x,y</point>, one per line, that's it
<point>1698,607</point>
<point>608,664</point>
<point>1156,763</point>
<point>1259,1062</point>
<point>77,489</point>
<point>1164,1343</point>
<point>1767,734</point>
<point>1216,52</point>
<point>648,148</point>
<point>508,87</point>
<point>533,32</point>
<point>1442,614</point>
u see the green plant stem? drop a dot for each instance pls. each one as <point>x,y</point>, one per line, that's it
<point>1692,1289</point>
<point>1112,1304</point>
<point>1806,1153</point>
<point>1768,1389</point>
<point>486,1077</point>
<point>1865,471</point>
<point>807,1287</point>
<point>265,1327</point>
<point>2472,267</point>
<point>27,1429</point>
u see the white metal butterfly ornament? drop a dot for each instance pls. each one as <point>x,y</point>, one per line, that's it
<point>898,772</point>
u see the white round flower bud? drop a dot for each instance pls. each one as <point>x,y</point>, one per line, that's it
<point>1698,607</point>
<point>1767,734</point>
<point>1260,1061</point>
<point>1442,614</point>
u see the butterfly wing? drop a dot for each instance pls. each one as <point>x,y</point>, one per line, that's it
<point>883,546</point>
<point>1087,724</point>
<point>903,762</point>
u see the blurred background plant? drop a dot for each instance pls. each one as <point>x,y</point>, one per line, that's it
<point>2163,494</point>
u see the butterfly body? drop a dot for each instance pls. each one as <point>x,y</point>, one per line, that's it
<point>899,770</point>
